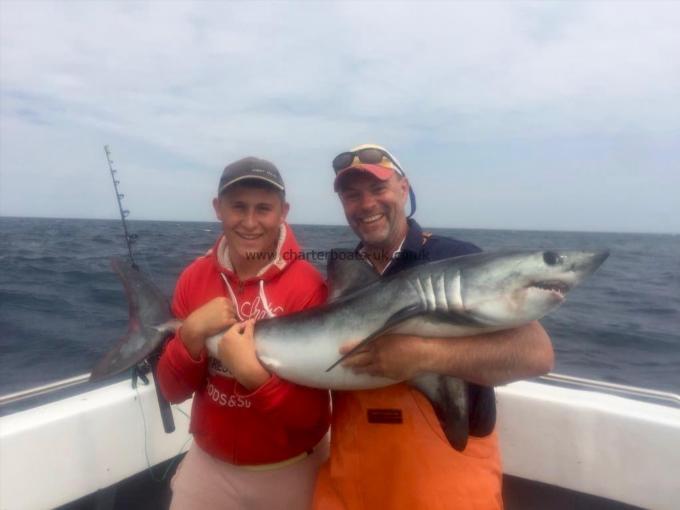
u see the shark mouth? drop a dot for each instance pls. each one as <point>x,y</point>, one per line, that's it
<point>557,287</point>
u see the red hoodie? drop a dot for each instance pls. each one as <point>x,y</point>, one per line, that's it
<point>277,421</point>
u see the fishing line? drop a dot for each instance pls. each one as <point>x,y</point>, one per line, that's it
<point>175,459</point>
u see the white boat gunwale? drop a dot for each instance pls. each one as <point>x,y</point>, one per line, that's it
<point>582,440</point>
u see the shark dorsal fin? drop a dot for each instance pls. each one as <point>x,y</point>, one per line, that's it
<point>347,271</point>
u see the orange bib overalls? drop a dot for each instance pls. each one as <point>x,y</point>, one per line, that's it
<point>388,452</point>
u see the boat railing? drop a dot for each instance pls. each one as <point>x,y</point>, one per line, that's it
<point>628,391</point>
<point>580,382</point>
<point>43,389</point>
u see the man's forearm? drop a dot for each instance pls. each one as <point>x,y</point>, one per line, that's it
<point>490,359</point>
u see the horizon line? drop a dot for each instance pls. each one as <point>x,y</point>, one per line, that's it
<point>516,229</point>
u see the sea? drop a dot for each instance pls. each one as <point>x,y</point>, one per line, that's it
<point>62,307</point>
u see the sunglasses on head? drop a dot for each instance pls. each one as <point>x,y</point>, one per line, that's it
<point>370,156</point>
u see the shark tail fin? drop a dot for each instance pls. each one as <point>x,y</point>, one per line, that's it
<point>150,322</point>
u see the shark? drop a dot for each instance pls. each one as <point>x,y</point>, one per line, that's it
<point>454,297</point>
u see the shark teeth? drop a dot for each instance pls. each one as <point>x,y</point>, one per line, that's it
<point>553,286</point>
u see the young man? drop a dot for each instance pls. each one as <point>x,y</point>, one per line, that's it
<point>257,439</point>
<point>387,446</point>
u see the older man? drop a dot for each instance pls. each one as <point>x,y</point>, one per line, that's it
<point>387,447</point>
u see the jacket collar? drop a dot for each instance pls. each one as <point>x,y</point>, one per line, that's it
<point>409,247</point>
<point>414,238</point>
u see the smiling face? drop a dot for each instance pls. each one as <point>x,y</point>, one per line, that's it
<point>251,214</point>
<point>375,209</point>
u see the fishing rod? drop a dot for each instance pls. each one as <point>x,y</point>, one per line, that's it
<point>151,363</point>
<point>130,239</point>
<point>138,371</point>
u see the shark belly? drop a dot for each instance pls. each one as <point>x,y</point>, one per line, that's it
<point>303,354</point>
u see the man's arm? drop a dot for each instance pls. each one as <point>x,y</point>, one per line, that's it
<point>489,359</point>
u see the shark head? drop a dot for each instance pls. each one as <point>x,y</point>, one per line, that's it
<point>514,288</point>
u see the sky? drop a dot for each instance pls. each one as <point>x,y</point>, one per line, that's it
<point>511,115</point>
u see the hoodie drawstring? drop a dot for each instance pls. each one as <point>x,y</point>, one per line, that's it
<point>265,303</point>
<point>263,298</point>
<point>232,296</point>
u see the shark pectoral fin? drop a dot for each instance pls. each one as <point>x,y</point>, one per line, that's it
<point>449,399</point>
<point>392,322</point>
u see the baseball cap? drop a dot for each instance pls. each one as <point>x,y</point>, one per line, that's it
<point>370,158</point>
<point>250,168</point>
<point>373,159</point>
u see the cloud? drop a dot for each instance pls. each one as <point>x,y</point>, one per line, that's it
<point>185,87</point>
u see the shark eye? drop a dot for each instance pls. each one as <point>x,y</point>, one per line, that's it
<point>551,258</point>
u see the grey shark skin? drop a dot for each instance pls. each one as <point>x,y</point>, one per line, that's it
<point>150,322</point>
<point>460,296</point>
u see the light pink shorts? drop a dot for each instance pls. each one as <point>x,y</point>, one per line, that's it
<point>206,483</point>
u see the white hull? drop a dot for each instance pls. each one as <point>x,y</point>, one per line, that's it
<point>590,442</point>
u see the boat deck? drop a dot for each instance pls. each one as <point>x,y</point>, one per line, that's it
<point>141,492</point>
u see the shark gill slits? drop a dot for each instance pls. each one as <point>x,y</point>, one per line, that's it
<point>551,258</point>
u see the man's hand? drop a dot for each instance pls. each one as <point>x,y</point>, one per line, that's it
<point>237,353</point>
<point>489,359</point>
<point>211,318</point>
<point>394,356</point>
